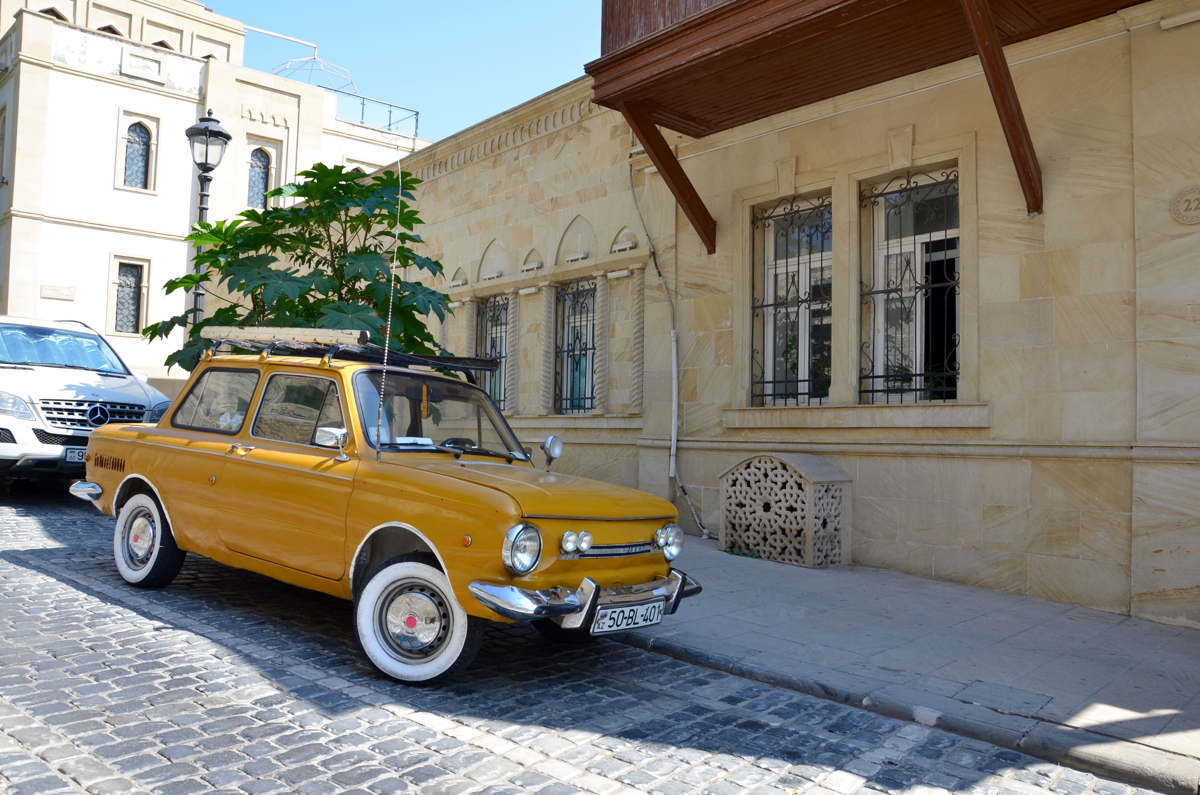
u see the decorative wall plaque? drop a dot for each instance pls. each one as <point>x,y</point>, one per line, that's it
<point>1186,206</point>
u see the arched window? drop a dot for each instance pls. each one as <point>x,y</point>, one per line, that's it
<point>260,174</point>
<point>137,156</point>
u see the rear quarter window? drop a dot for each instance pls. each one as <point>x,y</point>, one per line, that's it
<point>218,401</point>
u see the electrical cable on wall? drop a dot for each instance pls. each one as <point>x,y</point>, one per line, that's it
<point>674,463</point>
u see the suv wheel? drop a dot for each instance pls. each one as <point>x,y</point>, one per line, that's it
<point>143,544</point>
<point>411,626</point>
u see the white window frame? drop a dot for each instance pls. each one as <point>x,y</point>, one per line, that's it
<point>127,119</point>
<point>114,270</point>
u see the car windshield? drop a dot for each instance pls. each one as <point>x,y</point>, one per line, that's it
<point>52,347</point>
<point>433,413</point>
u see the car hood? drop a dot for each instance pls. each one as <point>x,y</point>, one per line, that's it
<point>552,494</point>
<point>63,383</point>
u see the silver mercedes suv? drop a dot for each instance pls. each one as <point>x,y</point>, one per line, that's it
<point>58,381</point>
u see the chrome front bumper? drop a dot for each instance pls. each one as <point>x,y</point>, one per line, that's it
<point>86,491</point>
<point>575,607</point>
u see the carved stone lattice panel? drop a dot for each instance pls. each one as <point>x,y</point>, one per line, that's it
<point>773,509</point>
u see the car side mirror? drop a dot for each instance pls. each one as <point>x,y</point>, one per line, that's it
<point>552,446</point>
<point>335,438</point>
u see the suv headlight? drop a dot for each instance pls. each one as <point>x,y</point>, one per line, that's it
<point>157,411</point>
<point>669,538</point>
<point>13,406</point>
<point>522,548</point>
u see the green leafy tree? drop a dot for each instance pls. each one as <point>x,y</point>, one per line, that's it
<point>322,262</point>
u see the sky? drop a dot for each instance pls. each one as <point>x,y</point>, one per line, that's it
<point>457,62</point>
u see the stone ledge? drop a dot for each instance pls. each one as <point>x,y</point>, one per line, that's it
<point>1123,760</point>
<point>918,415</point>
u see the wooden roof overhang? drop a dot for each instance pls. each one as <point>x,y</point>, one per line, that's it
<point>743,60</point>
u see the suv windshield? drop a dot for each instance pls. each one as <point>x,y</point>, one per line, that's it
<point>52,347</point>
<point>426,412</point>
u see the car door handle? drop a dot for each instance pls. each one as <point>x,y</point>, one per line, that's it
<point>240,449</point>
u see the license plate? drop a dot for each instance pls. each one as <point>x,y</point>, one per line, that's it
<point>613,619</point>
<point>75,454</point>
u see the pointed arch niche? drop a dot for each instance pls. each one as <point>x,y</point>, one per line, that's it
<point>494,263</point>
<point>625,240</point>
<point>578,243</point>
<point>534,262</point>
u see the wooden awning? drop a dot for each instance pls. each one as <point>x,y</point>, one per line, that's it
<point>738,61</point>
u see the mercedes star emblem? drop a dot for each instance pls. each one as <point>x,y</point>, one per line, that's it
<point>97,415</point>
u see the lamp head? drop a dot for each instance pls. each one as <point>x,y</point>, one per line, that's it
<point>208,140</point>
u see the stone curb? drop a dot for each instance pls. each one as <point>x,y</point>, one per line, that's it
<point>1131,763</point>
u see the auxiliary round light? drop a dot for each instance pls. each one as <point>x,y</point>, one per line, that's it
<point>673,535</point>
<point>522,548</point>
<point>570,542</point>
<point>584,542</point>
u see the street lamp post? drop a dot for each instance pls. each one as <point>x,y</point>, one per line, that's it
<point>208,140</point>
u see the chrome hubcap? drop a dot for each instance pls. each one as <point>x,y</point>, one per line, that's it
<point>140,535</point>
<point>413,620</point>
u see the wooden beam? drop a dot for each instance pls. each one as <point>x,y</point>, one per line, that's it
<point>1004,94</point>
<point>676,178</point>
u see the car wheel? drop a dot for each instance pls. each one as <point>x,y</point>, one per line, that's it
<point>550,629</point>
<point>143,544</point>
<point>411,626</point>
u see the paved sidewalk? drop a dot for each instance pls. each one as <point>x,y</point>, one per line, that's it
<point>1118,695</point>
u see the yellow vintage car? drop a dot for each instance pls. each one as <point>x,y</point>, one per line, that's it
<point>389,484</point>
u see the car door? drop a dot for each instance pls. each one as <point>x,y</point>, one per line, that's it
<point>283,499</point>
<point>185,460</point>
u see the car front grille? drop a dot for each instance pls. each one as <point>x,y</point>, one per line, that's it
<point>45,437</point>
<point>619,550</point>
<point>73,414</point>
<point>6,436</point>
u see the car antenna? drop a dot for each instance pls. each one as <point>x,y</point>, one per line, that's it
<point>387,335</point>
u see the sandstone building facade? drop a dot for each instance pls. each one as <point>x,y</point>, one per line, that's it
<point>1016,398</point>
<point>98,188</point>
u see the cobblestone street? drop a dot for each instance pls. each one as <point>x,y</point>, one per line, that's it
<point>227,681</point>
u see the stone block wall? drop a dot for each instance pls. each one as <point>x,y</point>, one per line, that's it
<point>1067,466</point>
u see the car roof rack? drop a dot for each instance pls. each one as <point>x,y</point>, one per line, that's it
<point>336,344</point>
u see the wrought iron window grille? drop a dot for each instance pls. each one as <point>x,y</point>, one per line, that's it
<point>491,342</point>
<point>575,347</point>
<point>792,302</point>
<point>128,315</point>
<point>910,290</point>
<point>137,156</point>
<point>260,173</point>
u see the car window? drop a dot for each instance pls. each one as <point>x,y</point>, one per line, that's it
<point>294,406</point>
<point>218,401</point>
<point>57,348</point>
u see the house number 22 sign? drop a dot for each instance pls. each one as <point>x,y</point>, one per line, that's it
<point>1186,206</point>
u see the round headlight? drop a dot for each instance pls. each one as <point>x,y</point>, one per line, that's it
<point>157,411</point>
<point>673,535</point>
<point>585,542</point>
<point>522,548</point>
<point>660,537</point>
<point>569,542</point>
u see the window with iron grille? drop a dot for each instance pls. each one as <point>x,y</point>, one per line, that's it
<point>137,156</point>
<point>491,342</point>
<point>128,315</point>
<point>575,347</point>
<point>910,290</point>
<point>260,173</point>
<point>793,277</point>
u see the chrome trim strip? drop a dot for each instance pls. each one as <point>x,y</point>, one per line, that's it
<point>619,550</point>
<point>599,518</point>
<point>86,490</point>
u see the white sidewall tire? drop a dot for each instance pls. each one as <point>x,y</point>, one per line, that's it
<point>128,510</point>
<point>376,648</point>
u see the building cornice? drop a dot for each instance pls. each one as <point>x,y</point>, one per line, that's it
<point>25,215</point>
<point>554,110</point>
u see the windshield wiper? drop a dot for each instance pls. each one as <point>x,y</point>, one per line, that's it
<point>73,367</point>
<point>484,451</point>
<point>435,447</point>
